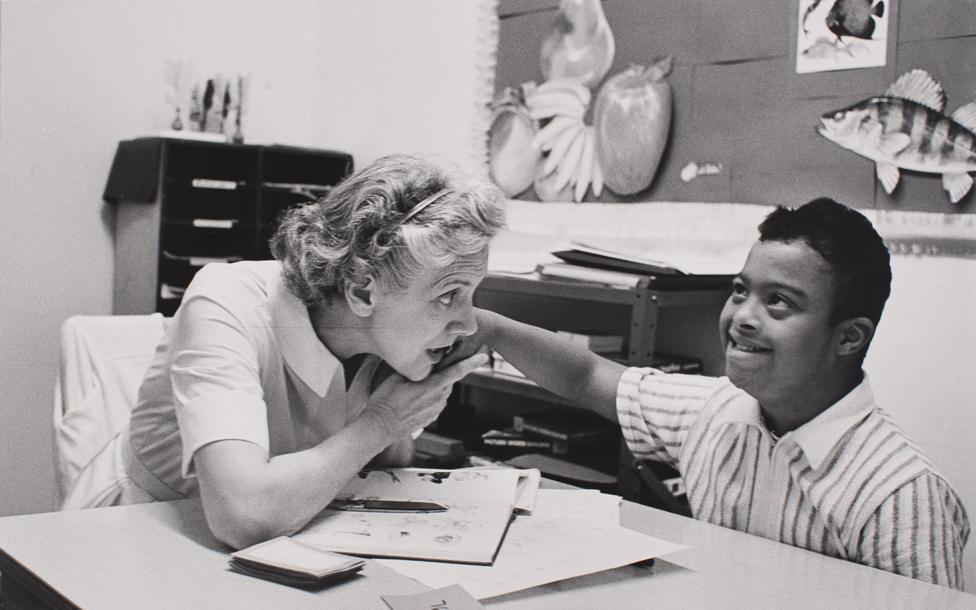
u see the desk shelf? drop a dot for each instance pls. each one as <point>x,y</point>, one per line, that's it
<point>643,314</point>
<point>510,384</point>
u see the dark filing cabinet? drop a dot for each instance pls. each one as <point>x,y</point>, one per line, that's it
<point>181,204</point>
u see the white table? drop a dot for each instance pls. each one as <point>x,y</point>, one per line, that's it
<point>163,556</point>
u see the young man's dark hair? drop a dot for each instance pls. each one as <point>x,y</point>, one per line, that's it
<point>849,244</point>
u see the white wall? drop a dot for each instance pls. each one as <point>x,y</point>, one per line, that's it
<point>405,77</point>
<point>922,365</point>
<point>75,78</point>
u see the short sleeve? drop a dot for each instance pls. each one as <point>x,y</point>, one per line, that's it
<point>656,410</point>
<point>215,371</point>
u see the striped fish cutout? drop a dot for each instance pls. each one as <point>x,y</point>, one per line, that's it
<point>906,128</point>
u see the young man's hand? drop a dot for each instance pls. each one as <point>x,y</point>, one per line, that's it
<point>464,347</point>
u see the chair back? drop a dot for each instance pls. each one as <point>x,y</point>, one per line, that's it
<point>103,362</point>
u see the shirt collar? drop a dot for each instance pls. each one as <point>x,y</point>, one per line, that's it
<point>300,347</point>
<point>818,436</point>
<point>821,434</point>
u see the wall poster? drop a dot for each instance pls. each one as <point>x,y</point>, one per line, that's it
<point>841,34</point>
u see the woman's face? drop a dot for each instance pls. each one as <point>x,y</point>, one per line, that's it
<point>413,329</point>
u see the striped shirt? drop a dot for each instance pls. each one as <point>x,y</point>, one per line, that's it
<point>848,483</point>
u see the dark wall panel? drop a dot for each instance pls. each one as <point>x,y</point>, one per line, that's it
<point>930,20</point>
<point>732,31</point>
<point>644,30</point>
<point>519,41</point>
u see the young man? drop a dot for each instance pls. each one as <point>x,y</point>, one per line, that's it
<point>790,444</point>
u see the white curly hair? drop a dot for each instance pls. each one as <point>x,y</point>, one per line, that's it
<point>361,229</point>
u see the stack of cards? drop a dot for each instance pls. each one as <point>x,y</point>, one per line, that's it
<point>289,562</point>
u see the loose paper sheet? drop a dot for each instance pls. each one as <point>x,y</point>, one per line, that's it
<point>448,598</point>
<point>479,507</point>
<point>570,533</point>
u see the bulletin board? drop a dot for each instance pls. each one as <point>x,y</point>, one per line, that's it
<point>740,104</point>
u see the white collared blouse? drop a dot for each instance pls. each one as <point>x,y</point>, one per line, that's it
<point>241,361</point>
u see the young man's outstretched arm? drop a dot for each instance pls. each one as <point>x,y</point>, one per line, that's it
<point>554,362</point>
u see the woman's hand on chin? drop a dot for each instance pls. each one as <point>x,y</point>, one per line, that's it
<point>401,406</point>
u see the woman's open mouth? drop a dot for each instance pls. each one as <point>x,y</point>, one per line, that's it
<point>438,353</point>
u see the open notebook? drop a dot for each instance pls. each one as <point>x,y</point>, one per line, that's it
<point>478,505</point>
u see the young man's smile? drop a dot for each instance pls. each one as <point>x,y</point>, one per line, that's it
<point>738,345</point>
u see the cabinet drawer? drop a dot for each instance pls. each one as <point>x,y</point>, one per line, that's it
<point>177,270</point>
<point>182,200</point>
<point>274,201</point>
<point>204,239</point>
<point>303,165</point>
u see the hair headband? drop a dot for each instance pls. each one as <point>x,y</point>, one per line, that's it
<point>423,204</point>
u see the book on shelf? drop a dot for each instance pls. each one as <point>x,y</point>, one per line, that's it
<point>477,504</point>
<point>583,256</point>
<point>566,425</point>
<point>597,342</point>
<point>512,440</point>
<point>287,561</point>
<point>568,271</point>
<point>676,363</point>
<point>646,257</point>
<point>432,449</point>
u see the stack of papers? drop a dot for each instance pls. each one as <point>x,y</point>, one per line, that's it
<point>289,562</point>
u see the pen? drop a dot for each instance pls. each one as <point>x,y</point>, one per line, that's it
<point>386,506</point>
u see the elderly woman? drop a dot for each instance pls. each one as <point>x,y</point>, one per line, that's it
<point>279,380</point>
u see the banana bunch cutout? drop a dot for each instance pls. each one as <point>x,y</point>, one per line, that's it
<point>539,135</point>
<point>570,143</point>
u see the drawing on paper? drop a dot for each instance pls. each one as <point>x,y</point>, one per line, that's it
<point>478,504</point>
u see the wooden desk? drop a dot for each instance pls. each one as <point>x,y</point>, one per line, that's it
<point>163,556</point>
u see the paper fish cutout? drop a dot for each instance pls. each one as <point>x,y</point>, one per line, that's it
<point>906,128</point>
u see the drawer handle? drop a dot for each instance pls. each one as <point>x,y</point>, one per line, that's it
<point>171,292</point>
<point>213,223</point>
<point>210,183</point>
<point>200,261</point>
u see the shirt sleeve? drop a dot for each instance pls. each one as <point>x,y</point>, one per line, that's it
<point>215,372</point>
<point>919,531</point>
<point>656,410</point>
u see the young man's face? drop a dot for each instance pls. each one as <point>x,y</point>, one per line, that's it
<point>779,341</point>
<point>412,328</point>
